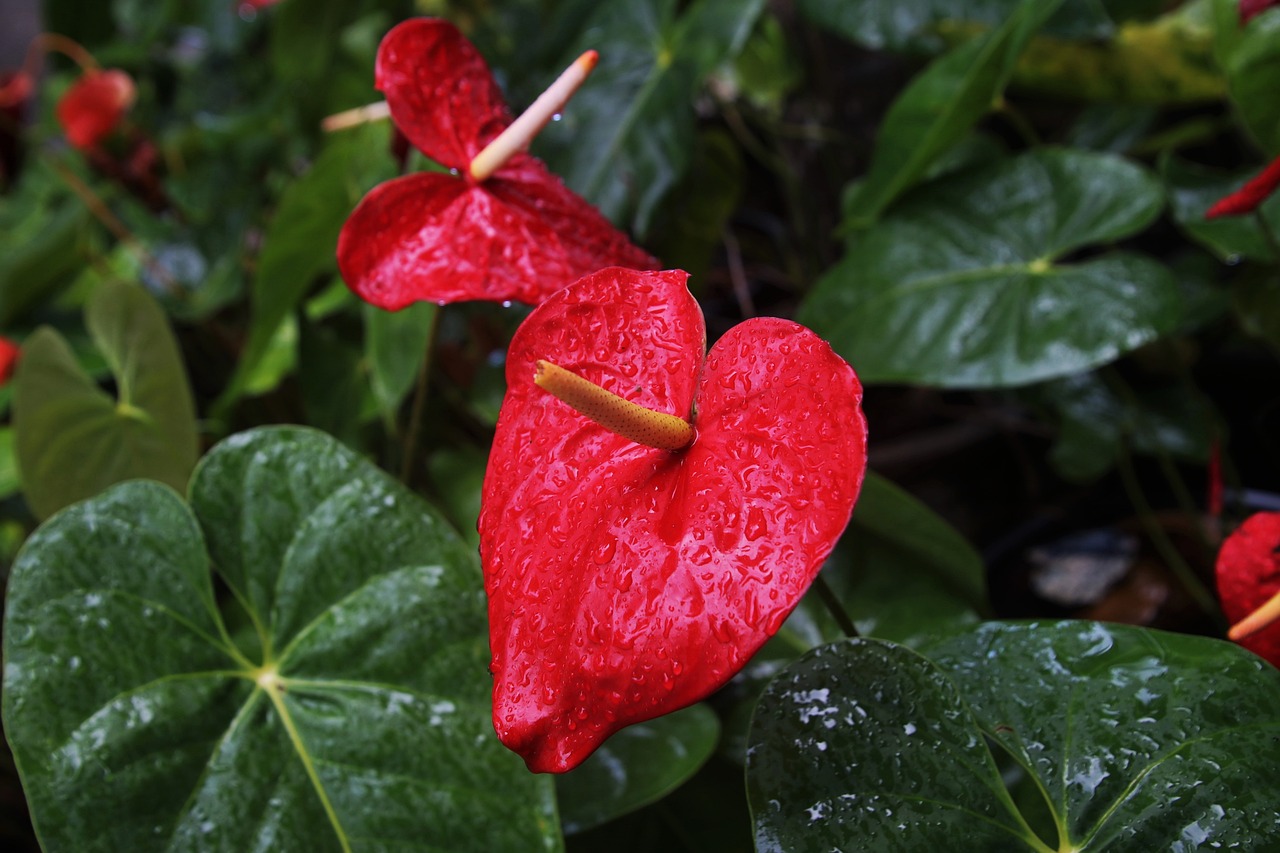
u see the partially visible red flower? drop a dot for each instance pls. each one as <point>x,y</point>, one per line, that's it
<point>9,352</point>
<point>518,234</point>
<point>94,105</point>
<point>1248,197</point>
<point>1250,9</point>
<point>1248,574</point>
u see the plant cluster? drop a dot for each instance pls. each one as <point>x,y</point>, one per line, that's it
<point>368,482</point>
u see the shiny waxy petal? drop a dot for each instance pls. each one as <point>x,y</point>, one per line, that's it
<point>626,582</point>
<point>441,93</point>
<point>520,236</point>
<point>1248,573</point>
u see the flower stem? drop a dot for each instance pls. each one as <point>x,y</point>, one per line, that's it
<point>521,132</point>
<point>832,602</point>
<point>618,415</point>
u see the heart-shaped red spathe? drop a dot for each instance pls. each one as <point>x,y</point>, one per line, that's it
<point>1248,574</point>
<point>94,105</point>
<point>626,582</point>
<point>519,235</point>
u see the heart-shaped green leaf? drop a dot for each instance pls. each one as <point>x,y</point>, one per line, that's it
<point>352,712</point>
<point>637,766</point>
<point>938,108</point>
<point>626,136</point>
<point>73,439</point>
<point>1136,738</point>
<point>959,285</point>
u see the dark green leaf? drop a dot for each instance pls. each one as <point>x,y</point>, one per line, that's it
<point>938,108</point>
<point>930,24</point>
<point>637,766</point>
<point>357,719</point>
<point>73,439</point>
<point>959,287</point>
<point>1253,71</point>
<point>626,136</point>
<point>1137,739</point>
<point>900,572</point>
<point>1257,302</point>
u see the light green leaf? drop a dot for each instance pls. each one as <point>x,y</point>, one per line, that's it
<point>73,439</point>
<point>395,344</point>
<point>301,242</point>
<point>355,717</point>
<point>637,766</point>
<point>1130,739</point>
<point>960,285</point>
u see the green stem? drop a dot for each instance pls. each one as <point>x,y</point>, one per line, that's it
<point>408,455</point>
<point>834,607</point>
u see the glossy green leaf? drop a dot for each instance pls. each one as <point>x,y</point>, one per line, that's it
<point>637,766</point>
<point>625,139</point>
<point>354,715</point>
<point>301,241</point>
<point>395,345</point>
<point>960,285</point>
<point>1136,739</point>
<point>1253,71</point>
<point>938,108</point>
<point>900,572</point>
<point>74,439</point>
<point>694,216</point>
<point>1192,189</point>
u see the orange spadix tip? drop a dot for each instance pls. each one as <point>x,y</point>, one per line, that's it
<point>1257,620</point>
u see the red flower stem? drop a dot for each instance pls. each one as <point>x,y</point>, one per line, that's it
<point>357,115</point>
<point>623,417</point>
<point>113,224</point>
<point>1257,620</point>
<point>521,132</point>
<point>40,45</point>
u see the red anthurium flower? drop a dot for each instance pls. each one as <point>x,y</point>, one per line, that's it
<point>514,233</point>
<point>1250,9</point>
<point>639,546</point>
<point>9,352</point>
<point>94,105</point>
<point>1247,198</point>
<point>1249,584</point>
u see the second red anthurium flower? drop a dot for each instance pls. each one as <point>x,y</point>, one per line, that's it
<point>1248,574</point>
<point>94,105</point>
<point>652,512</point>
<point>516,233</point>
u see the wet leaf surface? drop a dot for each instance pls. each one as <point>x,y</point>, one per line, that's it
<point>352,715</point>
<point>1136,738</point>
<point>962,285</point>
